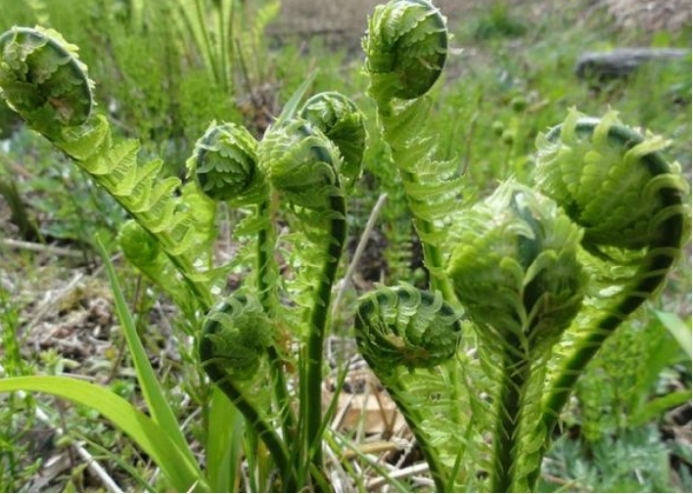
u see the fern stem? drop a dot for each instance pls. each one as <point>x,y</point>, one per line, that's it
<point>313,384</point>
<point>266,289</point>
<point>433,256</point>
<point>516,371</point>
<point>413,419</point>
<point>398,124</point>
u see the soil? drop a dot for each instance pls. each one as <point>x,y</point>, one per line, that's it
<point>349,17</point>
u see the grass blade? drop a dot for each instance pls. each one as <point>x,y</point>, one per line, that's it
<point>148,435</point>
<point>224,442</point>
<point>153,393</point>
<point>677,328</point>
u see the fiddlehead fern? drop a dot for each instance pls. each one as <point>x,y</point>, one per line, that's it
<point>236,334</point>
<point>629,199</point>
<point>342,122</point>
<point>224,164</point>
<point>42,78</point>
<point>399,330</point>
<point>406,48</point>
<point>515,270</point>
<point>303,165</point>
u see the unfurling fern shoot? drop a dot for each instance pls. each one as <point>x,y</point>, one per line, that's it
<point>224,164</point>
<point>307,169</point>
<point>515,269</point>
<point>236,334</point>
<point>618,186</point>
<point>401,329</point>
<point>406,47</point>
<point>42,78</point>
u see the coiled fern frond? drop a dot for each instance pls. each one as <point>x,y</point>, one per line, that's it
<point>516,271</point>
<point>305,168</point>
<point>616,183</point>
<point>224,164</point>
<point>406,47</point>
<point>42,77</point>
<point>343,123</point>
<point>43,80</point>
<point>410,340</point>
<point>236,337</point>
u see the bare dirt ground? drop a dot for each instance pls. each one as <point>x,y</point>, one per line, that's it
<point>349,16</point>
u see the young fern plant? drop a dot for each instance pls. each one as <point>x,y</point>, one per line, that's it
<point>44,81</point>
<point>309,160</point>
<point>312,160</point>
<point>516,272</point>
<point>406,47</point>
<point>616,184</point>
<point>410,339</point>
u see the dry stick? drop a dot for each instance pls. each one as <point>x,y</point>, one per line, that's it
<point>363,241</point>
<point>93,465</point>
<point>398,474</point>
<point>34,247</point>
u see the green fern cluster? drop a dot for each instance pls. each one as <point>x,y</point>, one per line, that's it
<point>306,163</point>
<point>526,285</point>
<point>527,267</point>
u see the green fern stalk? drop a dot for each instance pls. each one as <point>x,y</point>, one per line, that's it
<point>511,402</point>
<point>515,270</point>
<point>616,183</point>
<point>406,49</point>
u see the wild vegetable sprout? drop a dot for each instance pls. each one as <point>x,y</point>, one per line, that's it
<point>480,364</point>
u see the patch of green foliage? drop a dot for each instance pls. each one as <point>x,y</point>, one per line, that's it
<point>486,116</point>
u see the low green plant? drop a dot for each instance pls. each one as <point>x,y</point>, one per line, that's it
<point>543,275</point>
<point>311,157</point>
<point>526,285</point>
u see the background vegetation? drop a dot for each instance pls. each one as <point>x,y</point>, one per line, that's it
<point>165,69</point>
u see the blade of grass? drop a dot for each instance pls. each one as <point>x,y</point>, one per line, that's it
<point>292,104</point>
<point>147,434</point>
<point>224,441</point>
<point>678,329</point>
<point>153,393</point>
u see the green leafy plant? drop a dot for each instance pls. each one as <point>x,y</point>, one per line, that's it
<point>526,285</point>
<point>543,275</point>
<point>169,239</point>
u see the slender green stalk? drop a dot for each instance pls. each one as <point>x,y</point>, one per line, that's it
<point>516,370</point>
<point>208,43</point>
<point>413,419</point>
<point>318,321</point>
<point>267,293</point>
<point>223,55</point>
